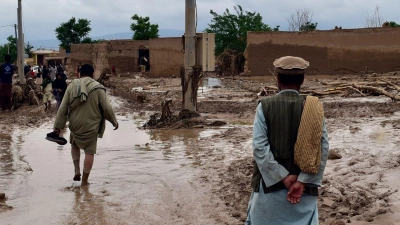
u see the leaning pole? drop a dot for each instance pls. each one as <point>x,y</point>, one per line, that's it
<point>190,53</point>
<point>21,47</point>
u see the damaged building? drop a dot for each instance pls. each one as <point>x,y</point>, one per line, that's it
<point>164,56</point>
<point>330,52</point>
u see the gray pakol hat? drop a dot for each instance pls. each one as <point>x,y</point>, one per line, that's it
<point>291,65</point>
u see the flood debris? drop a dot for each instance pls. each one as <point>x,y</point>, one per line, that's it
<point>230,62</point>
<point>3,205</point>
<point>193,80</point>
<point>333,154</point>
<point>184,119</point>
<point>368,85</point>
<point>104,77</point>
<point>26,93</point>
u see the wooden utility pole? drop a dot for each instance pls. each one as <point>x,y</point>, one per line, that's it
<point>20,48</point>
<point>189,101</point>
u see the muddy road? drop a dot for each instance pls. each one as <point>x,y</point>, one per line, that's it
<point>139,177</point>
<point>192,176</point>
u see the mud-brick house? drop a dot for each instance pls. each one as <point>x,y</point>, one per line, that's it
<point>330,52</point>
<point>165,55</point>
<point>49,57</point>
<point>56,59</point>
<point>40,54</point>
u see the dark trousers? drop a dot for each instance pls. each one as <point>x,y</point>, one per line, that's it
<point>5,96</point>
<point>59,99</point>
<point>5,102</point>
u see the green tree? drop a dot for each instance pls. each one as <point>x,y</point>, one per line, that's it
<point>231,29</point>
<point>72,32</point>
<point>11,47</point>
<point>394,24</point>
<point>88,40</point>
<point>28,49</point>
<point>143,29</point>
<point>308,26</point>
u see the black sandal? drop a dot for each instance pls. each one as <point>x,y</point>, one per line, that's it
<point>53,136</point>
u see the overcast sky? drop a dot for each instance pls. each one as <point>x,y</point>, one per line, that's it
<point>41,17</point>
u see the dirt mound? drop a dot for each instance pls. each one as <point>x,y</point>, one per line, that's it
<point>354,190</point>
<point>184,119</point>
<point>187,114</point>
<point>226,106</point>
<point>359,109</point>
<point>234,187</point>
<point>395,123</point>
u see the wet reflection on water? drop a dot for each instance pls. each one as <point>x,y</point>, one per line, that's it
<point>6,156</point>
<point>137,178</point>
<point>6,161</point>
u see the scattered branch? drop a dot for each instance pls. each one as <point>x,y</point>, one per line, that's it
<point>374,20</point>
<point>300,18</point>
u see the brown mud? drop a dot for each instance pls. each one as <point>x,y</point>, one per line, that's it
<point>204,174</point>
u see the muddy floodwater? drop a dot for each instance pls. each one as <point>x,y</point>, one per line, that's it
<point>136,179</point>
<point>199,175</point>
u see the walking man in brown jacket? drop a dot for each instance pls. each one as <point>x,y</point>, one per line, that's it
<point>86,107</point>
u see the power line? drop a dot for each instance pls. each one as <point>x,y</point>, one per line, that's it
<point>7,25</point>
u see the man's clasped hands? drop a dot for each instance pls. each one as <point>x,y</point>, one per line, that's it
<point>295,187</point>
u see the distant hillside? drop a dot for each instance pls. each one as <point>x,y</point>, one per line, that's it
<point>53,43</point>
<point>129,35</point>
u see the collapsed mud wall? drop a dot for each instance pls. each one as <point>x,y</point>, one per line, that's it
<point>123,54</point>
<point>329,52</point>
<point>80,53</point>
<point>99,56</point>
<point>166,57</point>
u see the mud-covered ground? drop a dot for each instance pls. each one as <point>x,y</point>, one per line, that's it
<point>359,188</point>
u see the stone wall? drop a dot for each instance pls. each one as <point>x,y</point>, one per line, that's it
<point>329,52</point>
<point>166,57</point>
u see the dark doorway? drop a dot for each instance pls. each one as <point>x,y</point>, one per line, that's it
<point>40,59</point>
<point>54,62</point>
<point>144,58</point>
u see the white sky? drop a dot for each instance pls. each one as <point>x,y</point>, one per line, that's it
<point>41,17</point>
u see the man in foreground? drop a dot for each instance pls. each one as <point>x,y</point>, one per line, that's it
<point>6,74</point>
<point>86,107</point>
<point>290,149</point>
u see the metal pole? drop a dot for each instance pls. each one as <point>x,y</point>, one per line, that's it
<point>190,52</point>
<point>16,36</point>
<point>21,49</point>
<point>16,39</point>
